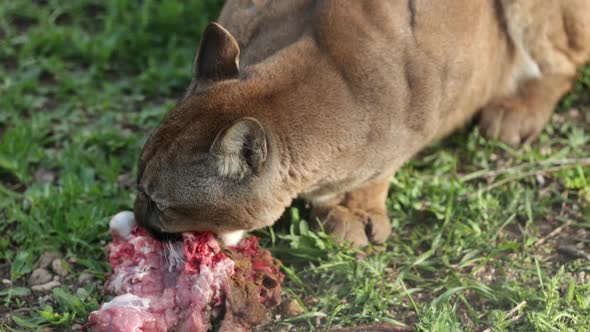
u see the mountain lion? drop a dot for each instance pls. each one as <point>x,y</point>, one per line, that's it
<point>326,99</point>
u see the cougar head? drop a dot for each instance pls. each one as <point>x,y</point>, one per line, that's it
<point>211,165</point>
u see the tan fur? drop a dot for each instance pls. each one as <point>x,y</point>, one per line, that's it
<point>327,99</point>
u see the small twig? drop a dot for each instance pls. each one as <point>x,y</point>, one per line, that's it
<point>573,252</point>
<point>515,309</point>
<point>553,233</point>
<point>516,318</point>
<point>497,172</point>
<point>511,313</point>
<point>528,174</point>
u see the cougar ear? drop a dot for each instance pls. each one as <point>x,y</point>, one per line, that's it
<point>218,55</point>
<point>240,147</point>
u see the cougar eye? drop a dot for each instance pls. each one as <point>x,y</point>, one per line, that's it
<point>150,202</point>
<point>155,205</point>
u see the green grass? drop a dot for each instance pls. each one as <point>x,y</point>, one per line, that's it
<point>83,82</point>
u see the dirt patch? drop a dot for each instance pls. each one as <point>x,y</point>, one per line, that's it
<point>22,23</point>
<point>9,64</point>
<point>43,175</point>
<point>11,181</point>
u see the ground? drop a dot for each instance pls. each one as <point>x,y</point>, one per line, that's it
<point>487,238</point>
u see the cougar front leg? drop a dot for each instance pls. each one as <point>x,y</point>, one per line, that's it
<point>520,118</point>
<point>359,216</point>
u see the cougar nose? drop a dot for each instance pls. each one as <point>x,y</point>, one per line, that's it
<point>148,215</point>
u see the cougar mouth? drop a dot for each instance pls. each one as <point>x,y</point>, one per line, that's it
<point>163,236</point>
<point>148,216</point>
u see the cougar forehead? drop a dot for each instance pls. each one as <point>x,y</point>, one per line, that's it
<point>192,125</point>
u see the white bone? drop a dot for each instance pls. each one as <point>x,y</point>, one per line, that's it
<point>122,224</point>
<point>232,238</point>
<point>127,300</point>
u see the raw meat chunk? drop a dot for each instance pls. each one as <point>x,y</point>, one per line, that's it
<point>184,285</point>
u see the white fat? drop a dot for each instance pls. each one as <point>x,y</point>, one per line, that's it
<point>141,245</point>
<point>117,281</point>
<point>122,223</point>
<point>232,238</point>
<point>122,278</point>
<point>128,301</point>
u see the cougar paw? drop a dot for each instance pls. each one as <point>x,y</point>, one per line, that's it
<point>377,226</point>
<point>356,226</point>
<point>512,123</point>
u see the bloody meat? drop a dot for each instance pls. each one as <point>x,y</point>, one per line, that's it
<point>185,285</point>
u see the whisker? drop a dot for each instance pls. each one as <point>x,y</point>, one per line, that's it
<point>166,252</point>
<point>174,257</point>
